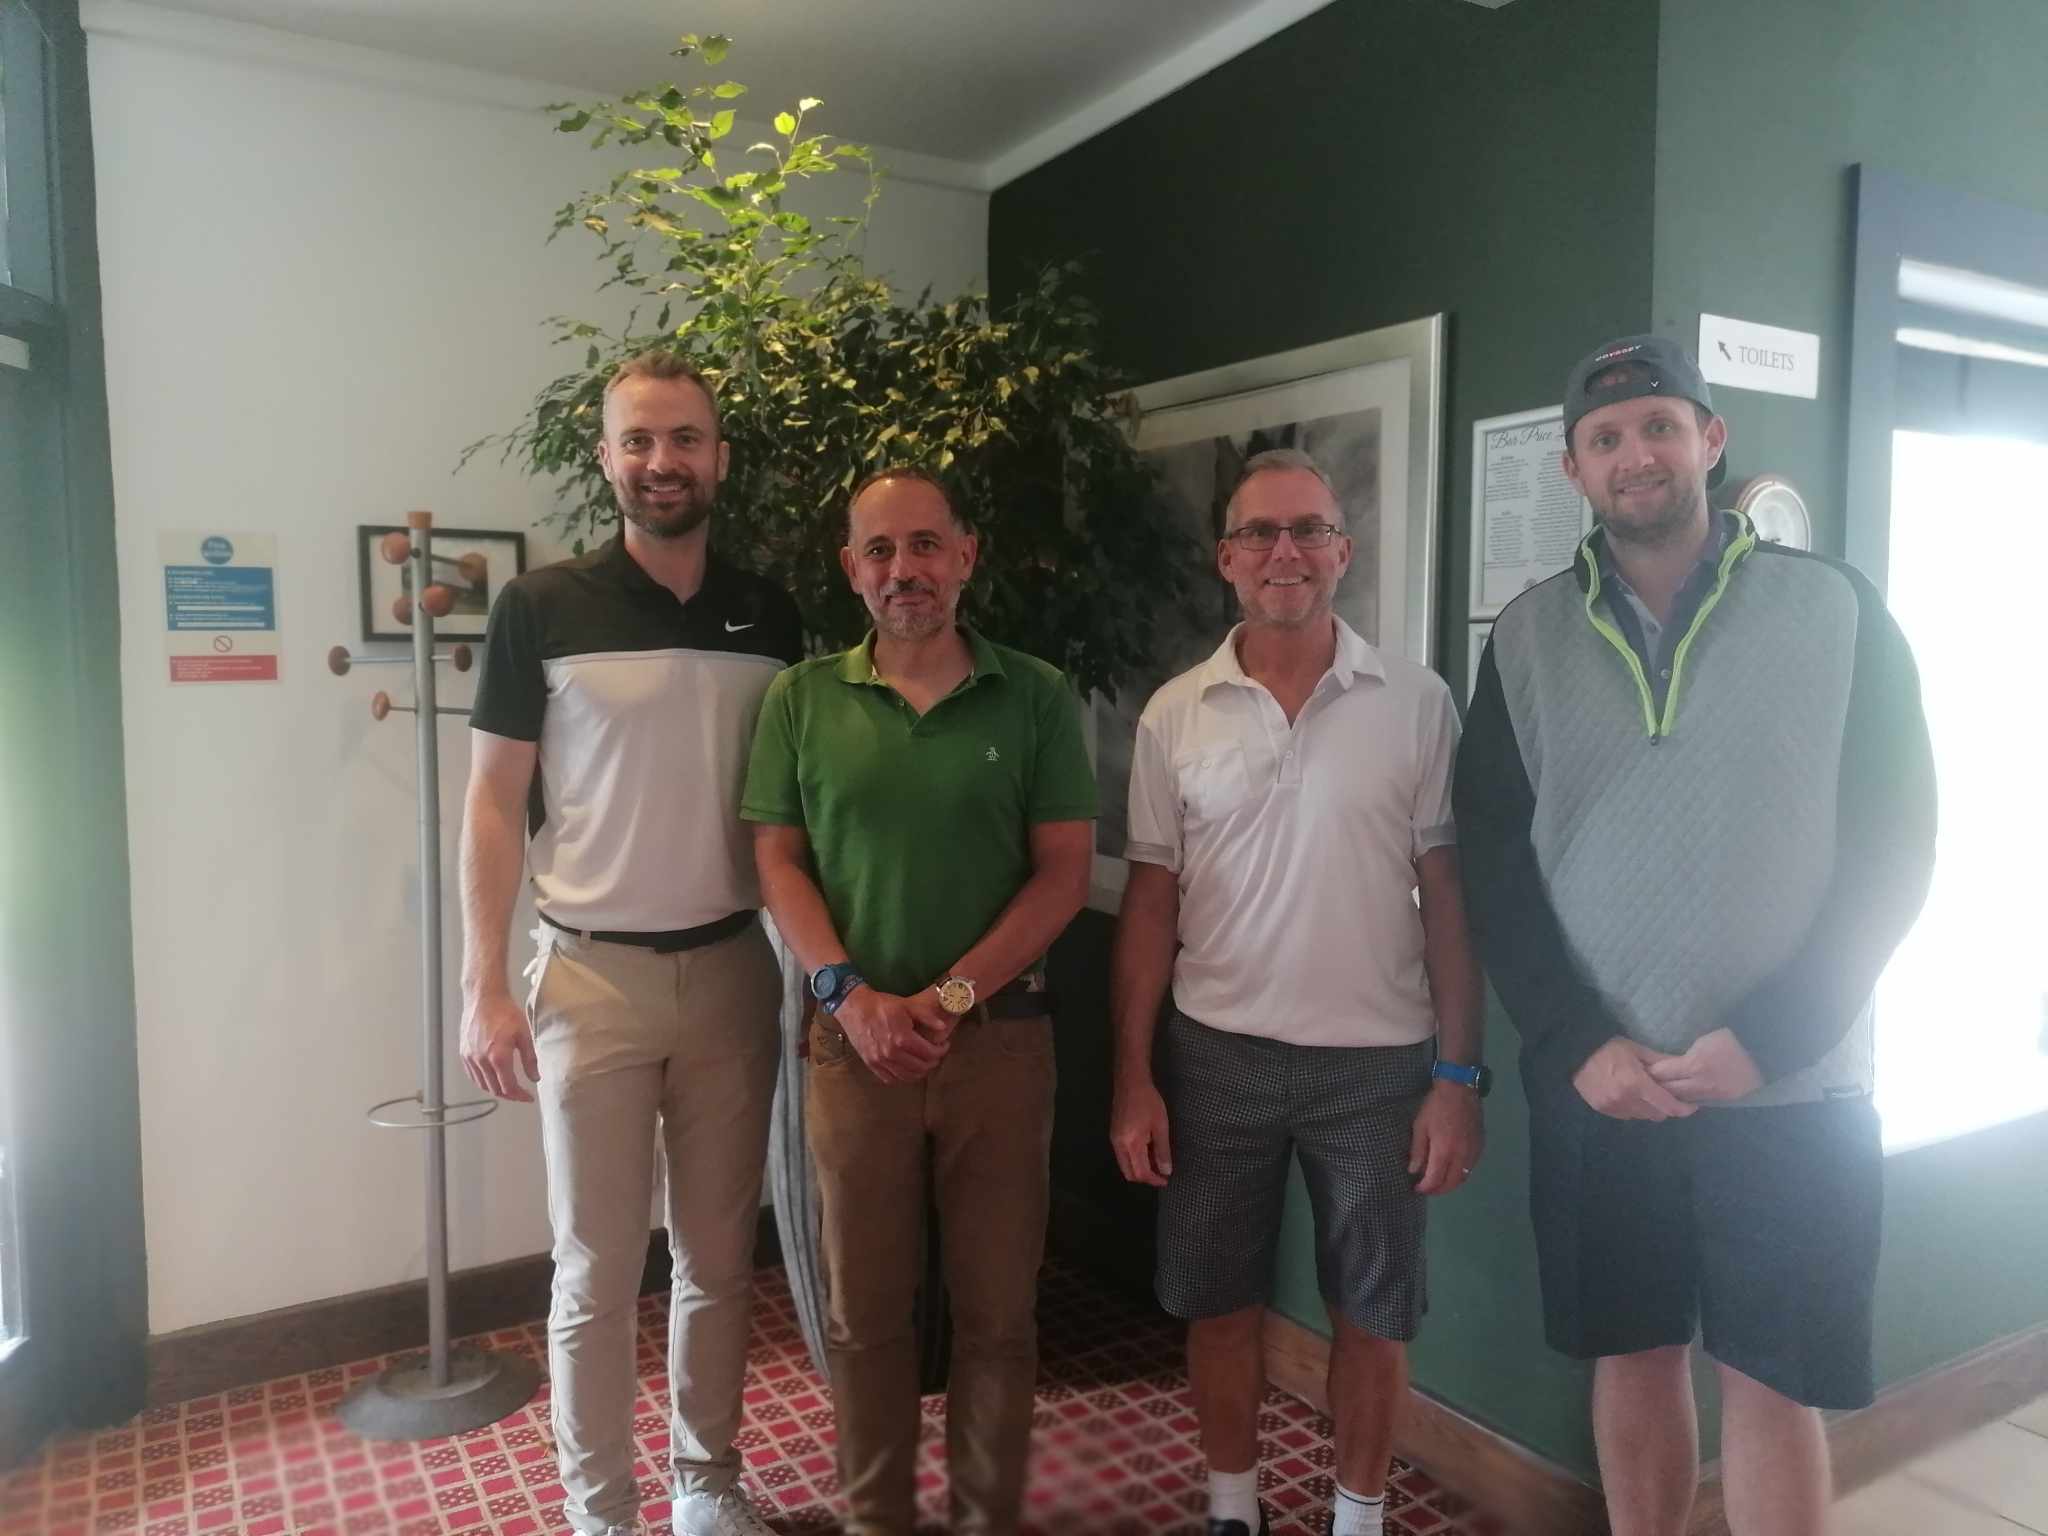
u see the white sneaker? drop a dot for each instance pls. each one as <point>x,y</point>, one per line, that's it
<point>730,1513</point>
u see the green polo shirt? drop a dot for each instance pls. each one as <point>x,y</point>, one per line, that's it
<point>920,827</point>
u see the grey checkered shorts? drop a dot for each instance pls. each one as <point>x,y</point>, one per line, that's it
<point>1237,1106</point>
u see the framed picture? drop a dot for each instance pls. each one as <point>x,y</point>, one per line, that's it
<point>1369,409</point>
<point>1527,516</point>
<point>474,563</point>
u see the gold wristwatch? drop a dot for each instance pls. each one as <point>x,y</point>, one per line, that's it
<point>956,995</point>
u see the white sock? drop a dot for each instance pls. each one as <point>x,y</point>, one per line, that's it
<point>1235,1496</point>
<point>1356,1515</point>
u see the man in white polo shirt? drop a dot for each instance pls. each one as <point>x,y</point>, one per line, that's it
<point>1290,797</point>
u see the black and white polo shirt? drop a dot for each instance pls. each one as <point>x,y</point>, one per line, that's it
<point>644,710</point>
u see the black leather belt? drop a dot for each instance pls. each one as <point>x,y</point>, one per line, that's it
<point>1019,1000</point>
<point>669,943</point>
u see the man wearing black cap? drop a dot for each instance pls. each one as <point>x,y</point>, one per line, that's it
<point>1695,803</point>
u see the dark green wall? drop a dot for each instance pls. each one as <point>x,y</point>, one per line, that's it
<point>1099,1220</point>
<point>1378,161</point>
<point>1762,109</point>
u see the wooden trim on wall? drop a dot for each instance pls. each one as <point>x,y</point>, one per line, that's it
<point>1915,1416</point>
<point>1501,1477</point>
<point>216,1357</point>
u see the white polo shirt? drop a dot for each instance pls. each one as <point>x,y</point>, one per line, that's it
<point>1296,845</point>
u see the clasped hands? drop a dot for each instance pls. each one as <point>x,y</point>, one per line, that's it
<point>1629,1081</point>
<point>900,1038</point>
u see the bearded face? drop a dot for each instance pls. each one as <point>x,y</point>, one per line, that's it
<point>662,455</point>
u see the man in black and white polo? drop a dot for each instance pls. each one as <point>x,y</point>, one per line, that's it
<point>1294,874</point>
<point>610,735</point>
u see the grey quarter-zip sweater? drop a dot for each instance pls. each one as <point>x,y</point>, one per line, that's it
<point>1744,853</point>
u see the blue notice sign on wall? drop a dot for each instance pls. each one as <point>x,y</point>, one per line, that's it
<point>220,606</point>
<point>220,597</point>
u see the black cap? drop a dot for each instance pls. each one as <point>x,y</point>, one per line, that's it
<point>1629,368</point>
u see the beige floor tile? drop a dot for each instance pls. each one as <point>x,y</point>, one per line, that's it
<point>2001,1467</point>
<point>2034,1416</point>
<point>1899,1506</point>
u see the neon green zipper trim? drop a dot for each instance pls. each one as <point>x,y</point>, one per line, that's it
<point>1743,542</point>
<point>1739,546</point>
<point>1614,637</point>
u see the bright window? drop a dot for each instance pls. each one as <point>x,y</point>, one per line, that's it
<point>10,1231</point>
<point>1962,1012</point>
<point>5,61</point>
<point>3,171</point>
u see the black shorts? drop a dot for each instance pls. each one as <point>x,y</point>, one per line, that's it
<point>1238,1108</point>
<point>1757,1226</point>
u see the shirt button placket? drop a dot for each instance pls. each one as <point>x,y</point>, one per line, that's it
<point>1292,743</point>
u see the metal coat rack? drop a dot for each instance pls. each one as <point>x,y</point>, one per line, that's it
<point>447,1390</point>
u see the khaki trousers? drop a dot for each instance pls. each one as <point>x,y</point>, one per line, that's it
<point>629,1041</point>
<point>986,1114</point>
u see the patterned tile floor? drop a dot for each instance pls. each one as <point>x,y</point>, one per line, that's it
<point>1114,1450</point>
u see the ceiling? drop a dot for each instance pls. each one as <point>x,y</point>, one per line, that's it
<point>986,88</point>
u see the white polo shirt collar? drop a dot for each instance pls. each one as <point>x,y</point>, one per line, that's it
<point>1354,659</point>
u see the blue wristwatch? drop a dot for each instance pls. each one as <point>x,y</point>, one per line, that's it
<point>1478,1079</point>
<point>831,985</point>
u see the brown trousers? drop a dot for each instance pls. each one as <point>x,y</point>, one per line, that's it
<point>986,1112</point>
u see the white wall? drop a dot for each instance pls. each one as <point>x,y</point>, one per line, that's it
<point>324,274</point>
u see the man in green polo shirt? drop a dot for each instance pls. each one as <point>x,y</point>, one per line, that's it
<point>924,802</point>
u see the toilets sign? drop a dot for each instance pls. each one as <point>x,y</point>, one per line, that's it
<point>1767,357</point>
<point>220,606</point>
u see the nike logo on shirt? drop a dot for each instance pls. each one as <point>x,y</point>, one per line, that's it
<point>733,629</point>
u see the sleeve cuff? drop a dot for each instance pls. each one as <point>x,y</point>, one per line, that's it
<point>1443,835</point>
<point>1152,853</point>
<point>1040,815</point>
<point>772,815</point>
<point>510,730</point>
<point>1768,1049</point>
<point>1561,1055</point>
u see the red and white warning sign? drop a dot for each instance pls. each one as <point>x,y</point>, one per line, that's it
<point>224,666</point>
<point>220,606</point>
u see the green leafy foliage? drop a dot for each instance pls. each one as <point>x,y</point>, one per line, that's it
<point>823,377</point>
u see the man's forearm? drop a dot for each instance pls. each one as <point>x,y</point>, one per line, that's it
<point>1561,1017</point>
<point>1450,960</point>
<point>1035,916</point>
<point>492,857</point>
<point>1884,861</point>
<point>798,907</point>
<point>1141,965</point>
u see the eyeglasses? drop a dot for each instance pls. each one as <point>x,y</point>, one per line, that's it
<point>1307,534</point>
